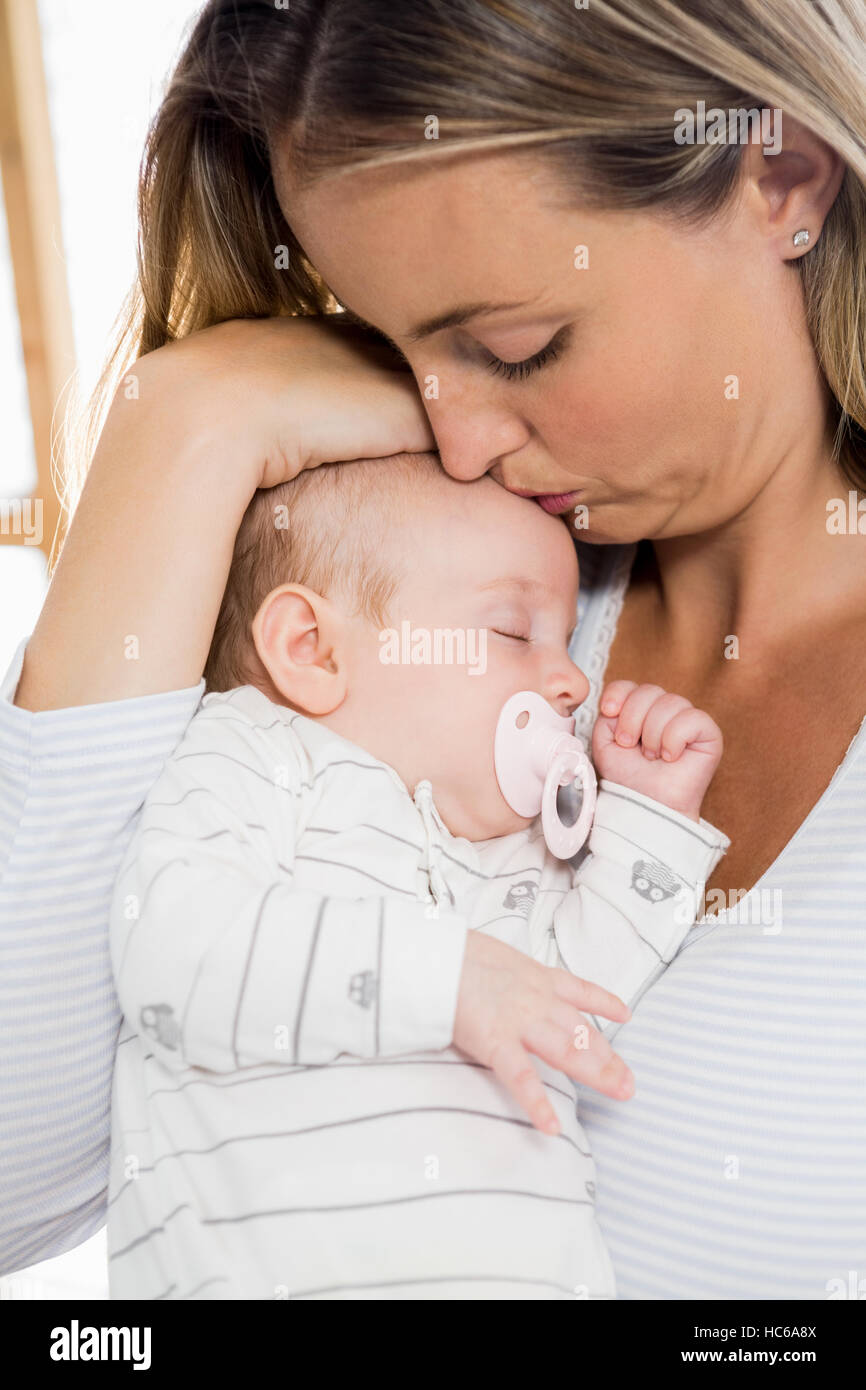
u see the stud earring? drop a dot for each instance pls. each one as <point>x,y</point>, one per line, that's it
<point>801,238</point>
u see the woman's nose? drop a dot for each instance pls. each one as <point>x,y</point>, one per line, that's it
<point>472,439</point>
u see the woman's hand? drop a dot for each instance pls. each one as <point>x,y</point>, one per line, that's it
<point>195,427</point>
<point>510,1006</point>
<point>291,393</point>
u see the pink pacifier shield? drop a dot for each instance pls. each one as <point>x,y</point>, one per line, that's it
<point>535,753</point>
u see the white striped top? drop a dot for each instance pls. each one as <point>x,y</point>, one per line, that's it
<point>738,1169</point>
<point>288,931</point>
<point>71,785</point>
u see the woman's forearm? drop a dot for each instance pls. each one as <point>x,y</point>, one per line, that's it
<point>134,598</point>
<point>246,403</point>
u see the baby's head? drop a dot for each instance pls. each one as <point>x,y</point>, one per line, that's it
<point>402,608</point>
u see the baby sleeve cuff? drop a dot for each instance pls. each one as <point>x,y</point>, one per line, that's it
<point>422,966</point>
<point>690,849</point>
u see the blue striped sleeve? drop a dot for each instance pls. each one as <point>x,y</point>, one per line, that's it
<point>72,782</point>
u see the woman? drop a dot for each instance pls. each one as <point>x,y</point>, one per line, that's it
<point>649,321</point>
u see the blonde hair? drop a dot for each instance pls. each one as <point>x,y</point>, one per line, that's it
<point>339,544</point>
<point>354,82</point>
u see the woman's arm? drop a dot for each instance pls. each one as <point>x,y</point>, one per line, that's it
<point>135,595</point>
<point>71,783</point>
<point>195,429</point>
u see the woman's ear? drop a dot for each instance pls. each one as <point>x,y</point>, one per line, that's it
<point>794,188</point>
<point>299,639</point>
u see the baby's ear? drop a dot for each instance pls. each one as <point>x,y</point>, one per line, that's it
<point>298,636</point>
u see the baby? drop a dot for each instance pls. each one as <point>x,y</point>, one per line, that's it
<point>291,1118</point>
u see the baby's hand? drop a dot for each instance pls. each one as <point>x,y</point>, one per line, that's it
<point>511,1006</point>
<point>657,744</point>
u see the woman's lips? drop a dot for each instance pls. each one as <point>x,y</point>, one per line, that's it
<point>549,501</point>
<point>557,501</point>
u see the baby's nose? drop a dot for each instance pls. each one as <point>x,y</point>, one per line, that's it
<point>573,690</point>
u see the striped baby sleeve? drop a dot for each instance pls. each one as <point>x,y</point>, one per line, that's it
<point>636,893</point>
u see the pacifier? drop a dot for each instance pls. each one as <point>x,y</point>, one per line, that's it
<point>535,752</point>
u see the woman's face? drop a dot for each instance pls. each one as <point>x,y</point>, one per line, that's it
<point>656,378</point>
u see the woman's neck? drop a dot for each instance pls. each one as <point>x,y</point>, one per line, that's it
<point>763,575</point>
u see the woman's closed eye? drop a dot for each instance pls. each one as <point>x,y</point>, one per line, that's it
<point>518,371</point>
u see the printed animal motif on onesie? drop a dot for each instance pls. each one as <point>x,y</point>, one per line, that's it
<point>158,1022</point>
<point>521,896</point>
<point>653,881</point>
<point>363,988</point>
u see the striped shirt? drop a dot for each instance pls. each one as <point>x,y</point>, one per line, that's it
<point>288,932</point>
<point>71,784</point>
<point>737,1170</point>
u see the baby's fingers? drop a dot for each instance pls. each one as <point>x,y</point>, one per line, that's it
<point>610,1078</point>
<point>583,1054</point>
<point>589,997</point>
<point>659,717</point>
<point>613,697</point>
<point>693,727</point>
<point>512,1064</point>
<point>636,707</point>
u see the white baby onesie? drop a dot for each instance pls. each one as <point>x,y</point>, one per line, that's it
<point>289,1119</point>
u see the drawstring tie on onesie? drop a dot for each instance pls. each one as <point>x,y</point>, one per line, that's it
<point>440,892</point>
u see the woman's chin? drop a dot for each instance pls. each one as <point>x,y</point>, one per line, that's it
<point>609,531</point>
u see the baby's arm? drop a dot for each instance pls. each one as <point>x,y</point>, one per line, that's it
<point>222,962</point>
<point>636,893</point>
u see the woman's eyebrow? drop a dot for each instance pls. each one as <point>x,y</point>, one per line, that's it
<point>453,318</point>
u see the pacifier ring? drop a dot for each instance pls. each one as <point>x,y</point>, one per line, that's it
<point>535,754</point>
<point>571,765</point>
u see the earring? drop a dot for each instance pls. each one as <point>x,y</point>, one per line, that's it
<point>801,238</point>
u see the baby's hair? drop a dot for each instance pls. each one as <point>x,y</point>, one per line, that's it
<point>326,529</point>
